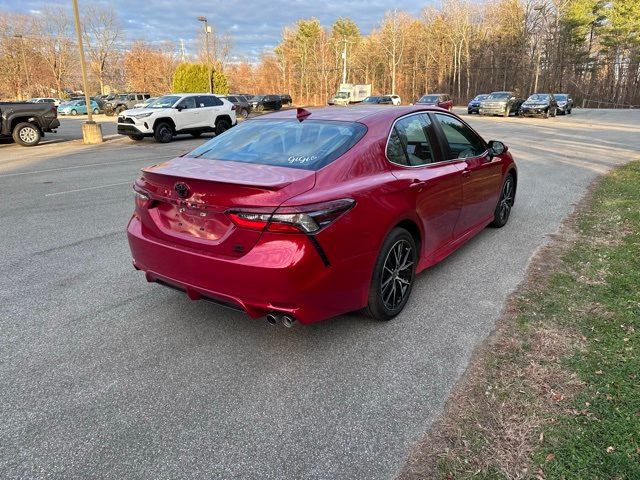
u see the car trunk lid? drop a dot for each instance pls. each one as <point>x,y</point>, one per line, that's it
<point>188,198</point>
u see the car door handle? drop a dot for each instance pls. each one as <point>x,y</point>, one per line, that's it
<point>417,184</point>
<point>466,173</point>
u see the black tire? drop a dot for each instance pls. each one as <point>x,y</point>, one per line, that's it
<point>222,125</point>
<point>569,111</point>
<point>136,138</point>
<point>244,113</point>
<point>546,113</point>
<point>96,111</point>
<point>505,202</point>
<point>394,268</point>
<point>74,112</point>
<point>506,112</point>
<point>109,113</point>
<point>163,133</point>
<point>260,108</point>
<point>555,112</point>
<point>26,134</point>
<point>196,134</point>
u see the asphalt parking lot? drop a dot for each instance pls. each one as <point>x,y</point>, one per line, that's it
<point>106,376</point>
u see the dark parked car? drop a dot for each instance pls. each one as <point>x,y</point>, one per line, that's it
<point>442,100</point>
<point>243,108</point>
<point>286,99</point>
<point>565,103</point>
<point>501,103</point>
<point>378,99</point>
<point>539,104</point>
<point>474,104</point>
<point>26,122</point>
<point>124,101</point>
<point>260,103</point>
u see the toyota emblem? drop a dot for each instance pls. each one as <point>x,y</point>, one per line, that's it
<point>181,189</point>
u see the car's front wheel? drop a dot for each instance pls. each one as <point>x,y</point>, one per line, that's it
<point>163,133</point>
<point>393,276</point>
<point>26,134</point>
<point>74,112</point>
<point>96,111</point>
<point>505,203</point>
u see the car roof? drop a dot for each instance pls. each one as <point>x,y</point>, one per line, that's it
<point>358,113</point>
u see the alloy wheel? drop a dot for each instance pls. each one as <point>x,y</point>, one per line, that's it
<point>506,199</point>
<point>396,274</point>
<point>28,134</point>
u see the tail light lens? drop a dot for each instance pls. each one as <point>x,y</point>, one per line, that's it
<point>233,107</point>
<point>300,219</point>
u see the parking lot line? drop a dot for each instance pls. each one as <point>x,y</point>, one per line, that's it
<point>128,182</point>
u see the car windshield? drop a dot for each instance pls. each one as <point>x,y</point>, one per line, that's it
<point>257,98</point>
<point>164,102</point>
<point>122,97</point>
<point>561,97</point>
<point>481,97</point>
<point>538,97</point>
<point>308,145</point>
<point>428,99</point>
<point>498,96</point>
<point>342,95</point>
<point>371,100</point>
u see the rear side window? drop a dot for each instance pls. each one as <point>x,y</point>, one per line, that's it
<point>463,142</point>
<point>409,144</point>
<point>308,145</point>
<point>205,101</point>
<point>187,102</point>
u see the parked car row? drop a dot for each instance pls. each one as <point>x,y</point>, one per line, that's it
<point>507,103</point>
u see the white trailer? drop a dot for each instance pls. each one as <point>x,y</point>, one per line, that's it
<point>350,93</point>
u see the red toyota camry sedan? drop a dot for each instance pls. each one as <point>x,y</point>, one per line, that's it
<point>302,215</point>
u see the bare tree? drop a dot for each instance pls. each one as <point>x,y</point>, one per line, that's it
<point>392,36</point>
<point>102,32</point>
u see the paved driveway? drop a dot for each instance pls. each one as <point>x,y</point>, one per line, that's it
<point>105,376</point>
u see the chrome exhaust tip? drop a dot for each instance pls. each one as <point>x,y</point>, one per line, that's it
<point>272,318</point>
<point>288,321</point>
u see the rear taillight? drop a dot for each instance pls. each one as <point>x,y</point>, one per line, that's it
<point>233,107</point>
<point>301,219</point>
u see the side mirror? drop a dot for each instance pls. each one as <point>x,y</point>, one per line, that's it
<point>179,108</point>
<point>496,148</point>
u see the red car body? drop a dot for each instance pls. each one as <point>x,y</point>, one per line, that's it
<point>197,243</point>
<point>441,100</point>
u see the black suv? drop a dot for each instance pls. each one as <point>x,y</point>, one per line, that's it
<point>124,101</point>
<point>243,109</point>
<point>27,122</point>
<point>260,103</point>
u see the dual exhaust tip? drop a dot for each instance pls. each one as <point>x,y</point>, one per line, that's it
<point>275,317</point>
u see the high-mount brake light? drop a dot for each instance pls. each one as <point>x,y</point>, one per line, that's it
<point>299,219</point>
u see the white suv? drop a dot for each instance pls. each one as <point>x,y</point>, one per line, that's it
<point>170,115</point>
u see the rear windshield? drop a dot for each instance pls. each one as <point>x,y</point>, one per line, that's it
<point>429,99</point>
<point>308,145</point>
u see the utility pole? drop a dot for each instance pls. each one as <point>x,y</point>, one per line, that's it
<point>182,54</point>
<point>344,61</point>
<point>24,64</point>
<point>91,131</point>
<point>207,30</point>
<point>542,23</point>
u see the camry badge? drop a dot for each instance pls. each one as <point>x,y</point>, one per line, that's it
<point>181,189</point>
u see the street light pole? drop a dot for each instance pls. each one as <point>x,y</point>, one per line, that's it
<point>24,64</point>
<point>207,29</point>
<point>91,131</point>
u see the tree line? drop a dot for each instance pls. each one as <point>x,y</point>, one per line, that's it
<point>589,48</point>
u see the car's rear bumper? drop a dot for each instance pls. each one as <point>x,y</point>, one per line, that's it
<point>281,273</point>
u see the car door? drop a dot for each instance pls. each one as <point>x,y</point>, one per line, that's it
<point>209,106</point>
<point>432,184</point>
<point>481,174</point>
<point>187,115</point>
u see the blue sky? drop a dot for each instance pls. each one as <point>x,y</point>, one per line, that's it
<point>254,25</point>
